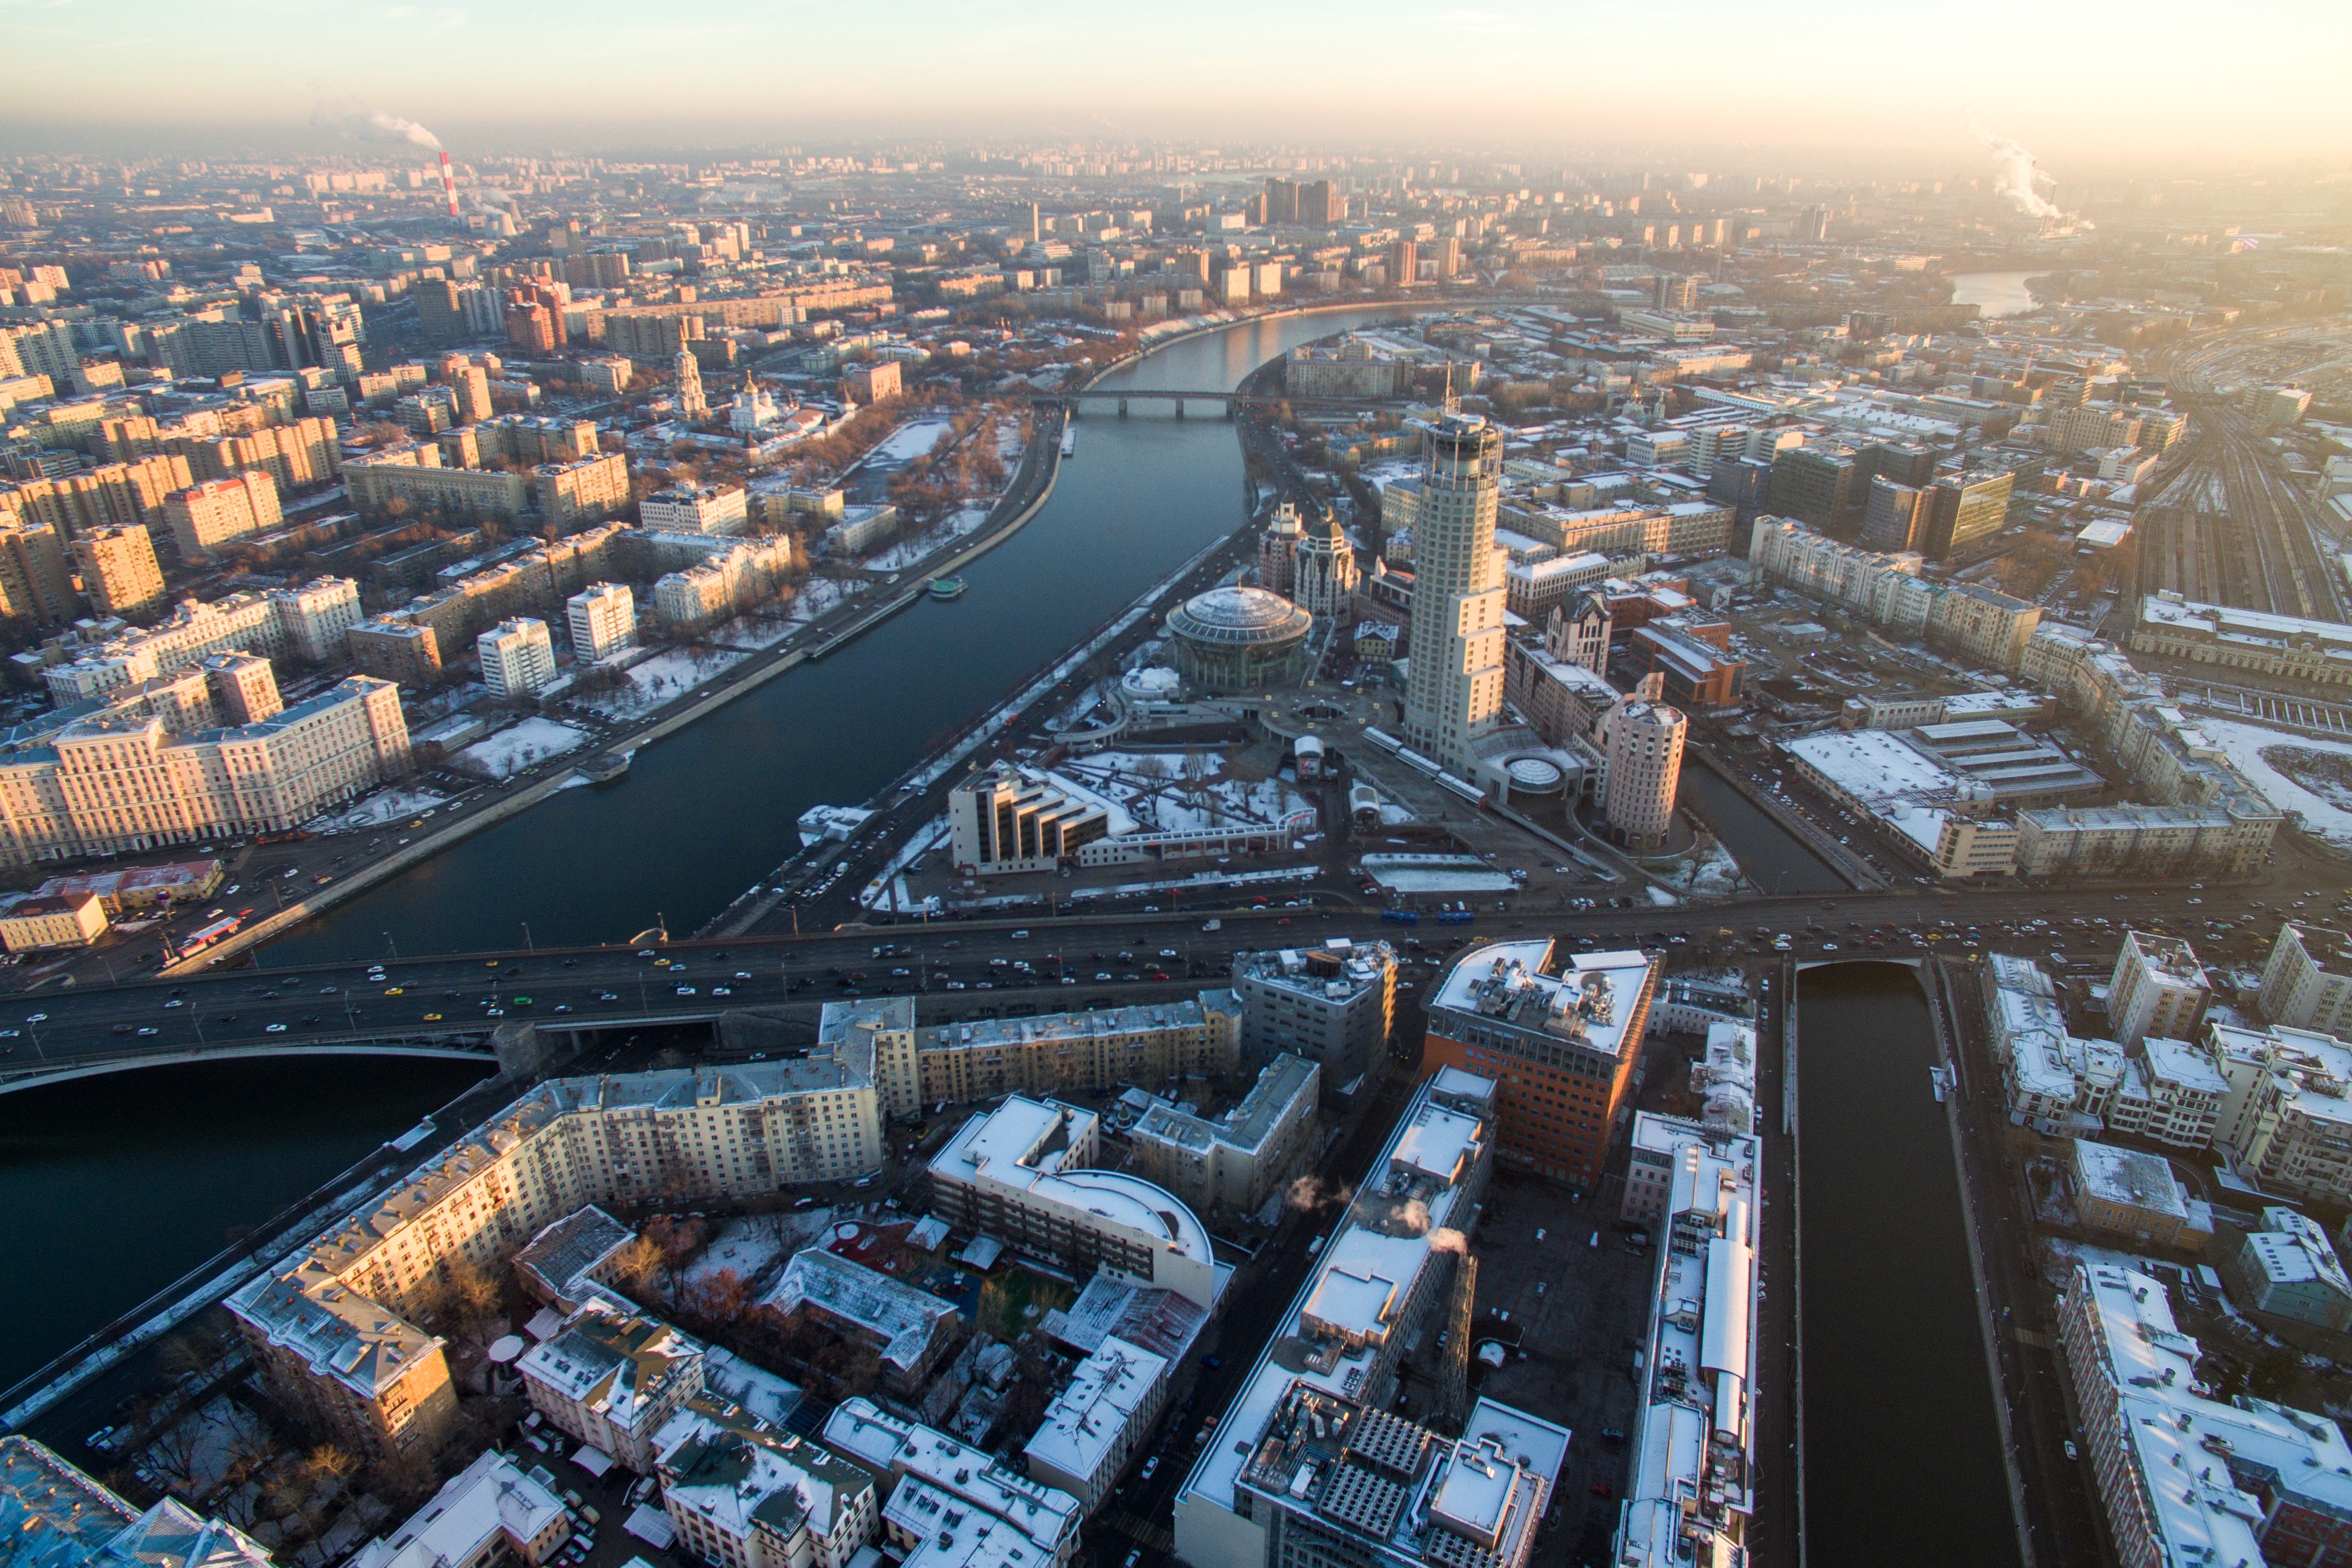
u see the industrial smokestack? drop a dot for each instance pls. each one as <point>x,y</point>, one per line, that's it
<point>449,184</point>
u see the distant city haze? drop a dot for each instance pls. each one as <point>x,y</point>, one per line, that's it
<point>2096,84</point>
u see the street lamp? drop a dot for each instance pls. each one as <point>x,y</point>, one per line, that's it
<point>526,936</point>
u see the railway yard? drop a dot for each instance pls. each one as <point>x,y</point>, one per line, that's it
<point>2223,522</point>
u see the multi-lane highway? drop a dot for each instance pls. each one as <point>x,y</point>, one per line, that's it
<point>966,970</point>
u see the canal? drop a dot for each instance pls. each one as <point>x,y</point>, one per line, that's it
<point>1772,858</point>
<point>1902,1453</point>
<point>116,1186</point>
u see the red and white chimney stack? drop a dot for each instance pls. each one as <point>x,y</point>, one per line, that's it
<point>449,183</point>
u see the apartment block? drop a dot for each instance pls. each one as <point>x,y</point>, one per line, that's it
<point>222,511</point>
<point>611,1378</point>
<point>603,620</point>
<point>59,1516</point>
<point>1100,1049</point>
<point>330,1326</point>
<point>946,1503</point>
<point>310,622</point>
<point>2307,981</point>
<point>2271,1485</point>
<point>2158,987</point>
<point>1333,1005</point>
<point>1230,1165</point>
<point>2286,1111</point>
<point>691,509</point>
<point>395,650</point>
<point>743,1493</point>
<point>120,777</point>
<point>120,574</point>
<point>1099,1420</point>
<point>34,580</point>
<point>517,658</point>
<point>490,1512</point>
<point>2171,1094</point>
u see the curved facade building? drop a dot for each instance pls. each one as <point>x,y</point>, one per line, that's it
<point>1239,639</point>
<point>1643,742</point>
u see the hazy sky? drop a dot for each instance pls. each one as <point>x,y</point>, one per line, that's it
<point>2095,81</point>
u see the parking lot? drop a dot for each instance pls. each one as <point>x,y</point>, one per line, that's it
<point>597,1507</point>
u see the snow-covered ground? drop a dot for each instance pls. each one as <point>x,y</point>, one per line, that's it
<point>819,594</point>
<point>1435,874</point>
<point>908,441</point>
<point>1174,804</point>
<point>662,679</point>
<point>754,1245</point>
<point>386,805</point>
<point>1710,871</point>
<point>194,1456</point>
<point>2263,755</point>
<point>511,750</point>
<point>906,552</point>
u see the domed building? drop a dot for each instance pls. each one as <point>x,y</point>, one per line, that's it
<point>1239,639</point>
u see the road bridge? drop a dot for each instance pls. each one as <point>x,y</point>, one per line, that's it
<point>1226,400</point>
<point>456,1005</point>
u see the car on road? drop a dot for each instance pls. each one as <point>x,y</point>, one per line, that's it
<point>432,1017</point>
<point>177,1002</point>
<point>275,1029</point>
<point>148,1029</point>
<point>36,1018</point>
<point>684,990</point>
<point>1150,1468</point>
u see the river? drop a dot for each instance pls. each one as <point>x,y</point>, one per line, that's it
<point>1771,857</point>
<point>115,1188</point>
<point>1898,1413</point>
<point>706,813</point>
<point>1994,293</point>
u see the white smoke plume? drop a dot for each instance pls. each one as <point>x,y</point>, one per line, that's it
<point>1311,1192</point>
<point>1445,1238</point>
<point>392,125</point>
<point>1414,1216</point>
<point>2016,173</point>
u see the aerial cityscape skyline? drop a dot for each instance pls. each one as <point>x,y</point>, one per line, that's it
<point>1334,787</point>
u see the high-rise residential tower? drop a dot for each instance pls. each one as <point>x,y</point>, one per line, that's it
<point>1453,690</point>
<point>691,403</point>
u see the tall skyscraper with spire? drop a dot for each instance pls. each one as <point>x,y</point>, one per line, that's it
<point>691,403</point>
<point>1453,685</point>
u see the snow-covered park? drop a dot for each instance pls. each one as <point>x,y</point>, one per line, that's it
<point>510,751</point>
<point>1182,792</point>
<point>385,807</point>
<point>662,678</point>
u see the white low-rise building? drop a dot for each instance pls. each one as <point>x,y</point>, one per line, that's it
<point>1021,1173</point>
<point>1097,1421</point>
<point>2158,987</point>
<point>742,1494</point>
<point>2186,1480</point>
<point>947,1505</point>
<point>1694,1478</point>
<point>611,1379</point>
<point>487,1512</point>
